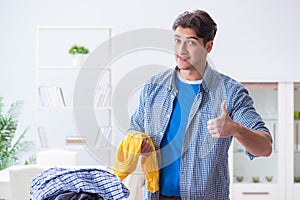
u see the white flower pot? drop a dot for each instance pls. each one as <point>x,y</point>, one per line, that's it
<point>78,59</point>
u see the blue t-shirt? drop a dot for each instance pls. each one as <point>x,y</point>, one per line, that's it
<point>171,144</point>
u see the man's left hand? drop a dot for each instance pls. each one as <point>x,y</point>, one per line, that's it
<point>222,126</point>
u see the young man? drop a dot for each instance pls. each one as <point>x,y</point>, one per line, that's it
<point>192,113</point>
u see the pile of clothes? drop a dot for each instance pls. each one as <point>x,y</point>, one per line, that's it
<point>77,184</point>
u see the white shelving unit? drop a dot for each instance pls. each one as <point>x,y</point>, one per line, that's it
<point>83,124</point>
<point>276,102</point>
<point>265,96</point>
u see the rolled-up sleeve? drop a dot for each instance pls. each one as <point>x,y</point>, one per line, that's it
<point>244,112</point>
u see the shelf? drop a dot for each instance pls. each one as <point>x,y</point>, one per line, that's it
<point>73,68</point>
<point>242,152</point>
<point>74,108</point>
<point>56,80</point>
<point>261,85</point>
<point>69,146</point>
<point>270,119</point>
<point>74,28</point>
<point>260,184</point>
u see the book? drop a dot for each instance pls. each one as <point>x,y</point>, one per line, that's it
<point>42,136</point>
<point>61,97</point>
<point>51,96</point>
<point>99,96</point>
<point>103,96</point>
<point>99,138</point>
<point>75,140</point>
<point>106,135</point>
<point>43,96</point>
<point>106,99</point>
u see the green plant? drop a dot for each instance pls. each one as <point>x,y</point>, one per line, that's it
<point>75,49</point>
<point>12,149</point>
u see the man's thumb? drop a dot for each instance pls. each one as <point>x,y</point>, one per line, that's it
<point>223,107</point>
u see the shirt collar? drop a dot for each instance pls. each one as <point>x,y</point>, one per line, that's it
<point>207,78</point>
<point>208,75</point>
<point>172,85</point>
<point>213,82</point>
<point>187,81</point>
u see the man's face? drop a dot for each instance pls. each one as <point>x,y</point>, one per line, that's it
<point>190,52</point>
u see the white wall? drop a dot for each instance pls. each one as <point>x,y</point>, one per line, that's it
<point>256,40</point>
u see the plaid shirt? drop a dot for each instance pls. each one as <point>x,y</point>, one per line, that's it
<point>204,173</point>
<point>54,181</point>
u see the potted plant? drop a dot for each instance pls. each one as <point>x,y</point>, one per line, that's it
<point>78,52</point>
<point>12,150</point>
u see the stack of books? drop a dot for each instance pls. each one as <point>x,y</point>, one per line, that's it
<point>75,140</point>
<point>51,96</point>
<point>102,96</point>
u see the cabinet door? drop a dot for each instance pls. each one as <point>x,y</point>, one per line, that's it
<point>297,151</point>
<point>296,141</point>
<point>262,169</point>
<point>297,191</point>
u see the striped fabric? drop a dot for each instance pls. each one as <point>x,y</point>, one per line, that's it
<point>204,172</point>
<point>54,181</point>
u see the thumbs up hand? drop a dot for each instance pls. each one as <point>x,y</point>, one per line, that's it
<point>222,126</point>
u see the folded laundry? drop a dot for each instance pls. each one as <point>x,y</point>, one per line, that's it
<point>54,181</point>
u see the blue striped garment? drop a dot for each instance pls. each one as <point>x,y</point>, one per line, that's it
<point>55,181</point>
<point>204,171</point>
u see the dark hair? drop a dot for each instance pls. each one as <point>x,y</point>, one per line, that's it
<point>200,22</point>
